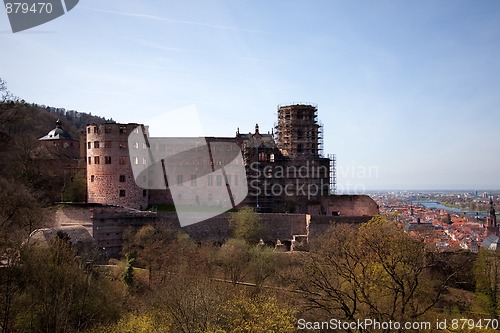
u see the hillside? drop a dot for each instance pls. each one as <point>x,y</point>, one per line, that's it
<point>24,164</point>
<point>32,120</point>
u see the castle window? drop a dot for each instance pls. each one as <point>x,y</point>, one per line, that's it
<point>271,158</point>
<point>92,178</point>
<point>89,145</point>
<point>122,178</point>
<point>96,144</point>
<point>107,159</point>
<point>136,130</point>
<point>218,180</point>
<point>96,129</point>
<point>144,161</point>
<point>193,180</point>
<point>90,160</point>
<point>88,130</point>
<point>123,129</point>
<point>136,160</point>
<point>144,193</point>
<point>96,159</point>
<point>122,159</point>
<point>179,180</point>
<point>123,144</point>
<point>107,129</point>
<point>122,193</point>
<point>210,180</point>
<point>136,145</point>
<point>107,144</point>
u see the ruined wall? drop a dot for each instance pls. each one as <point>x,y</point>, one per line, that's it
<point>319,224</point>
<point>276,226</point>
<point>350,205</point>
<point>72,215</point>
<point>109,223</point>
<point>160,197</point>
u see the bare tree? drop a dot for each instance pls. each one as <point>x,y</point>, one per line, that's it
<point>373,271</point>
<point>6,95</point>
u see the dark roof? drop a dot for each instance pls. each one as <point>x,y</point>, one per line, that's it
<point>57,133</point>
<point>76,233</point>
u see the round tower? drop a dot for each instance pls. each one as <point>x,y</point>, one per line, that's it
<point>109,173</point>
<point>298,131</point>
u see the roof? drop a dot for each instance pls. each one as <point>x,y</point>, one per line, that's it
<point>257,139</point>
<point>491,242</point>
<point>57,133</point>
<point>77,235</point>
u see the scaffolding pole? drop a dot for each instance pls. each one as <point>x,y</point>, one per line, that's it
<point>333,173</point>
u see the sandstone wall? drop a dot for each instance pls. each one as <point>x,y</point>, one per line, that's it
<point>320,223</point>
<point>110,179</point>
<point>350,205</point>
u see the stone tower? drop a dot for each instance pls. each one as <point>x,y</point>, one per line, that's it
<point>298,131</point>
<point>110,179</point>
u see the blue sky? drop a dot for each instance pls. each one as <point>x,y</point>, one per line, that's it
<point>408,91</point>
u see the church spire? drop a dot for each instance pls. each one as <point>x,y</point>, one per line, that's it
<point>493,217</point>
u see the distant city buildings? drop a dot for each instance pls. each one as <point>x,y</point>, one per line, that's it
<point>442,228</point>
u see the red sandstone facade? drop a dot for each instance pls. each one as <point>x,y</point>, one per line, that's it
<point>109,174</point>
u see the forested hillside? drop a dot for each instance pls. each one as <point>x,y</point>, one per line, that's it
<point>19,117</point>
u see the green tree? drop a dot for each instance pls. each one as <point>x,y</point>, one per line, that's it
<point>247,225</point>
<point>263,264</point>
<point>148,322</point>
<point>128,273</point>
<point>263,314</point>
<point>54,291</point>
<point>234,257</point>
<point>75,190</point>
<point>487,276</point>
<point>156,248</point>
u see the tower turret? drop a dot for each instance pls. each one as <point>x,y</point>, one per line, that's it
<point>298,131</point>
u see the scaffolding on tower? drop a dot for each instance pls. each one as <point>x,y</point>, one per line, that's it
<point>320,139</point>
<point>333,174</point>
